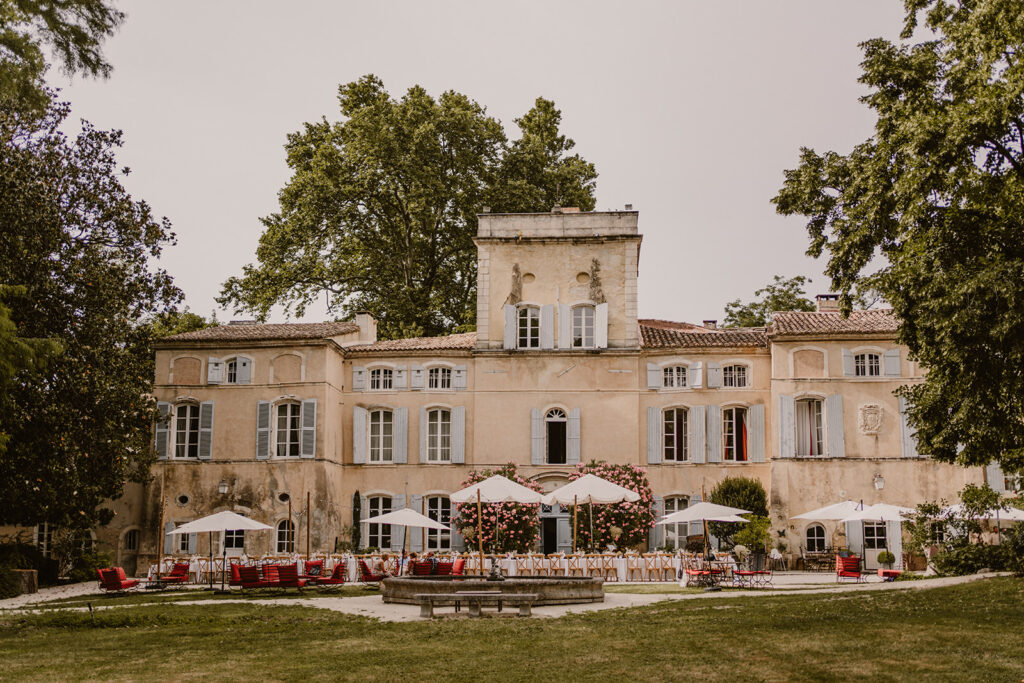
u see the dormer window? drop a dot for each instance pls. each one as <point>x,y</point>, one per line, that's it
<point>382,379</point>
<point>439,379</point>
<point>734,376</point>
<point>583,327</point>
<point>529,328</point>
<point>867,365</point>
<point>674,377</point>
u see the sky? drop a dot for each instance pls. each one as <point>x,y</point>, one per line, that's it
<point>691,112</point>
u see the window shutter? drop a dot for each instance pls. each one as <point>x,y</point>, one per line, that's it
<point>601,326</point>
<point>510,326</point>
<point>308,422</point>
<point>168,539</point>
<point>416,381</point>
<point>572,455</point>
<point>755,427</point>
<point>192,538</point>
<point>214,370</point>
<point>401,436</point>
<point>656,538</point>
<point>563,534</point>
<point>243,370</point>
<point>714,437</point>
<point>994,477</point>
<point>564,326</point>
<point>894,541</point>
<point>697,434</point>
<point>459,378</point>
<point>714,375</point>
<point>536,437</point>
<point>787,426</point>
<point>855,537</point>
<point>907,436</point>
<point>397,532</point>
<point>653,435</point>
<point>400,378</point>
<point>695,375</point>
<point>163,429</point>
<point>848,370</point>
<point>415,535</point>
<point>459,435</point>
<point>458,542</point>
<point>891,362</point>
<point>360,417</point>
<point>423,434</point>
<point>358,378</point>
<point>205,430</point>
<point>262,430</point>
<point>836,438</point>
<point>547,327</point>
<point>696,528</point>
<point>654,376</point>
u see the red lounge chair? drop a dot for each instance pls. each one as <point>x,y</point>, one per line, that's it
<point>444,568</point>
<point>178,575</point>
<point>314,570</point>
<point>848,568</point>
<point>236,575</point>
<point>459,569</point>
<point>337,577</point>
<point>288,576</point>
<point>250,578</point>
<point>366,576</point>
<point>421,568</point>
<point>113,580</point>
<point>270,574</point>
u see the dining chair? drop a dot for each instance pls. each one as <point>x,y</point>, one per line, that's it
<point>574,565</point>
<point>635,567</point>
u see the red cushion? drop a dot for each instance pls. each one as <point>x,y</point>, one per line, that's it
<point>249,575</point>
<point>120,574</point>
<point>460,567</point>
<point>339,572</point>
<point>270,572</point>
<point>236,574</point>
<point>314,568</point>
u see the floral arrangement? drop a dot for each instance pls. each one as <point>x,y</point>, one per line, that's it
<point>632,521</point>
<point>505,527</point>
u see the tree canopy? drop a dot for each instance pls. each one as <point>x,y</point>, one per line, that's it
<point>781,295</point>
<point>380,212</point>
<point>938,193</point>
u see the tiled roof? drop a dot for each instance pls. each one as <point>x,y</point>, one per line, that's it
<point>661,334</point>
<point>267,332</point>
<point>451,342</point>
<point>802,322</point>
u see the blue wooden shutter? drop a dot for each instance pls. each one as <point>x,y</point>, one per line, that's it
<point>360,416</point>
<point>994,477</point>
<point>891,362</point>
<point>458,542</point>
<point>572,453</point>
<point>755,427</point>
<point>654,376</point>
<point>510,326</point>
<point>601,326</point>
<point>459,378</point>
<point>424,425</point>
<point>787,427</point>
<point>163,429</point>
<point>536,437</point>
<point>656,538</point>
<point>214,371</point>
<point>416,380</point>
<point>855,537</point>
<point>908,437</point>
<point>358,378</point>
<point>262,430</point>
<point>563,533</point>
<point>836,437</point>
<point>653,435</point>
<point>894,541</point>
<point>168,539</point>
<point>459,435</point>
<point>192,542</point>
<point>714,433</point>
<point>416,535</point>
<point>695,375</point>
<point>243,370</point>
<point>401,436</point>
<point>400,377</point>
<point>205,430</point>
<point>308,422</point>
<point>714,376</point>
<point>564,326</point>
<point>697,426</point>
<point>547,326</point>
<point>696,528</point>
<point>397,532</point>
<point>848,366</point>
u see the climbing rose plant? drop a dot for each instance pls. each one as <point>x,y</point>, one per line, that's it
<point>506,527</point>
<point>634,519</point>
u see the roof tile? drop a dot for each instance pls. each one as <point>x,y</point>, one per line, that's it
<point>452,342</point>
<point>662,334</point>
<point>267,332</point>
<point>829,322</point>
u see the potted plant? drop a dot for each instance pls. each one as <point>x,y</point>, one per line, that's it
<point>615,532</point>
<point>886,558</point>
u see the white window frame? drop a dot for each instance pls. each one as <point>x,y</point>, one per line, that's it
<point>822,443</point>
<point>731,373</point>
<point>823,540</point>
<point>231,369</point>
<point>234,541</point>
<point>182,545</point>
<point>284,537</point>
<point>437,540</point>
<point>584,326</point>
<point>877,536</point>
<point>439,444</point>
<point>379,535</point>
<point>727,454</point>
<point>383,452</point>
<point>528,327</point>
<point>292,433</point>
<point>866,361</point>
<point>681,530</point>
<point>674,376</point>
<point>191,432</point>
<point>380,379</point>
<point>439,378</point>
<point>670,442</point>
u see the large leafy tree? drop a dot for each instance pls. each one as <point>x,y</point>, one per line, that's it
<point>781,295</point>
<point>380,212</point>
<point>938,193</point>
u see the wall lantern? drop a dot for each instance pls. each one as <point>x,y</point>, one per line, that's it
<point>879,482</point>
<point>222,487</point>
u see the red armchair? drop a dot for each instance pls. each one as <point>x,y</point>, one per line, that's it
<point>337,577</point>
<point>236,575</point>
<point>366,576</point>
<point>113,580</point>
<point>288,576</point>
<point>848,568</point>
<point>314,570</point>
<point>250,578</point>
<point>178,575</point>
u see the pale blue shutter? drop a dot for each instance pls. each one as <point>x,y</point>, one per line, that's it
<point>755,427</point>
<point>894,541</point>
<point>848,366</point>
<point>994,477</point>
<point>364,507</point>
<point>714,376</point>
<point>836,437</point>
<point>214,371</point>
<point>205,430</point>
<point>416,378</point>
<point>696,528</point>
<point>243,370</point>
<point>424,426</point>
<point>654,376</point>
<point>563,533</point>
<point>416,535</point>
<point>360,417</point>
<point>459,378</point>
<point>787,427</point>
<point>891,361</point>
<point>695,375</point>
<point>908,437</point>
<point>697,427</point>
<point>400,377</point>
<point>564,326</point>
<point>163,429</point>
<point>656,538</point>
<point>547,327</point>
<point>714,434</point>
<point>262,430</point>
<point>459,435</point>
<point>458,542</point>
<point>510,326</point>
<point>572,456</point>
<point>168,539</point>
<point>653,435</point>
<point>397,532</point>
<point>855,537</point>
<point>192,542</point>
<point>401,436</point>
<point>308,422</point>
<point>536,437</point>
<point>358,378</point>
<point>601,326</point>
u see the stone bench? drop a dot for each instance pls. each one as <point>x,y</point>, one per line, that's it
<point>475,600</point>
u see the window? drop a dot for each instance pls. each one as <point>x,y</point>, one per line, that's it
<point>734,376</point>
<point>816,538</point>
<point>555,427</point>
<point>938,532</point>
<point>285,537</point>
<point>583,327</point>
<point>734,434</point>
<point>1013,482</point>
<point>381,436</point>
<point>674,377</point>
<point>867,365</point>
<point>874,535</point>
<point>439,435</point>
<point>378,535</point>
<point>529,328</point>
<point>233,371</point>
<point>288,430</point>
<point>382,379</point>
<point>186,431</point>
<point>44,539</point>
<point>234,539</point>
<point>809,429</point>
<point>131,540</point>
<point>675,534</point>
<point>439,378</point>
<point>181,543</point>
<point>674,440</point>
<point>439,509</point>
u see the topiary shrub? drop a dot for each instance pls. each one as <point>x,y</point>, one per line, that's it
<point>887,558</point>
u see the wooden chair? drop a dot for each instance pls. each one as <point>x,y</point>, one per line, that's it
<point>524,565</point>
<point>635,567</point>
<point>652,566</point>
<point>594,567</point>
<point>608,568</point>
<point>575,565</point>
<point>540,564</point>
<point>555,566</point>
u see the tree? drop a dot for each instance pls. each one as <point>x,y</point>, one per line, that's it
<point>781,295</point>
<point>738,492</point>
<point>380,212</point>
<point>938,192</point>
<point>167,323</point>
<point>79,247</point>
<point>505,527</point>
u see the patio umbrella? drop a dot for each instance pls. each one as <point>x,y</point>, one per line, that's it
<point>219,521</point>
<point>1009,515</point>
<point>496,489</point>
<point>406,518</point>
<point>706,512</point>
<point>880,512</point>
<point>833,512</point>
<point>591,489</point>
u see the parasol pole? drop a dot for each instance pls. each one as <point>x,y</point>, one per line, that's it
<point>591,525</point>
<point>480,528</point>
<point>575,504</point>
<point>211,560</point>
<point>160,535</point>
<point>290,546</point>
<point>309,513</point>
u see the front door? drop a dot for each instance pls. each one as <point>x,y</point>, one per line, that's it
<point>549,535</point>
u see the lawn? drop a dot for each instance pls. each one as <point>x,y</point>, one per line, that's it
<point>970,631</point>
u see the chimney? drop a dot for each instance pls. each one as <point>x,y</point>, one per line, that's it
<point>367,326</point>
<point>629,207</point>
<point>828,303</point>
<point>711,324</point>
<point>570,209</point>
<point>556,209</point>
<point>486,209</point>
<point>242,322</point>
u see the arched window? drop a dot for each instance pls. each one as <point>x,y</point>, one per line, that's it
<point>529,328</point>
<point>675,534</point>
<point>816,538</point>
<point>734,434</point>
<point>555,428</point>
<point>439,379</point>
<point>382,379</point>
<point>381,436</point>
<point>378,535</point>
<point>285,537</point>
<point>674,439</point>
<point>674,377</point>
<point>583,327</point>
<point>186,431</point>
<point>867,365</point>
<point>439,435</point>
<point>810,431</point>
<point>288,430</point>
<point>439,509</point>
<point>734,376</point>
<point>233,371</point>
<point>130,540</point>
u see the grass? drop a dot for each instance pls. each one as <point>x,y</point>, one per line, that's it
<point>969,631</point>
